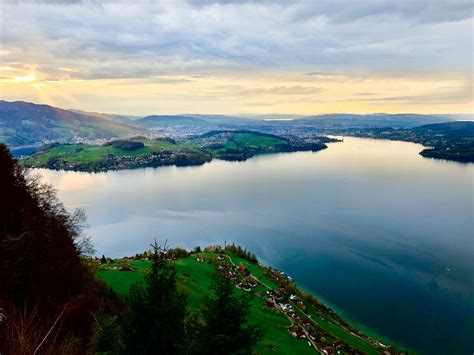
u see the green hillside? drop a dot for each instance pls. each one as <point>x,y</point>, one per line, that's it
<point>111,156</point>
<point>140,152</point>
<point>194,274</point>
<point>23,123</point>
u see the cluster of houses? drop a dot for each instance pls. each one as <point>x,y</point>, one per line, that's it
<point>247,283</point>
<point>285,275</point>
<point>123,267</point>
<point>118,162</point>
<point>303,327</point>
<point>238,275</point>
<point>324,312</point>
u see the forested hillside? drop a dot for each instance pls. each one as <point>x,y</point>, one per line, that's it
<point>51,301</point>
<point>23,123</point>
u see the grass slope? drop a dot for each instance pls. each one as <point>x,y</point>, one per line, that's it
<point>226,144</point>
<point>196,287</point>
<point>84,153</point>
<point>194,279</point>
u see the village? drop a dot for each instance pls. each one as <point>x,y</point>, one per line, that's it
<point>302,326</point>
<point>120,162</point>
<point>309,319</point>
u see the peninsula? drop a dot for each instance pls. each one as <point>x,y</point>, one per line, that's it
<point>140,152</point>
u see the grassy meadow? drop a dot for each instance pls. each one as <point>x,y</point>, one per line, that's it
<point>194,279</point>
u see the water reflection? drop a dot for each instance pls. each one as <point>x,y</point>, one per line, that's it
<point>370,225</point>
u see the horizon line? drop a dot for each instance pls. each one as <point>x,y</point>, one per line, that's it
<point>241,114</point>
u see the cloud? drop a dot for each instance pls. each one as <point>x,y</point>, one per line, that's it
<point>239,55</point>
<point>126,39</point>
<point>453,95</point>
<point>318,73</point>
<point>412,11</point>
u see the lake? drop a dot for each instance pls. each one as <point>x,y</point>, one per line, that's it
<point>378,231</point>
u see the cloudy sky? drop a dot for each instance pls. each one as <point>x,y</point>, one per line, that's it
<point>202,56</point>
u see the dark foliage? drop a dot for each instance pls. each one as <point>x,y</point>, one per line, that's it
<point>41,272</point>
<point>176,253</point>
<point>50,298</point>
<point>240,252</point>
<point>107,335</point>
<point>155,321</point>
<point>165,139</point>
<point>39,260</point>
<point>125,145</point>
<point>48,146</point>
<point>226,330</point>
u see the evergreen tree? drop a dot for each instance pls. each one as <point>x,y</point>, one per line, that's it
<point>156,317</point>
<point>106,337</point>
<point>226,330</point>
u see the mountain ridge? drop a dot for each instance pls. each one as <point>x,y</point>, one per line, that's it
<point>28,124</point>
<point>25,123</point>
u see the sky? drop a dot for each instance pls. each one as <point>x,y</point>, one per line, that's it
<point>275,57</point>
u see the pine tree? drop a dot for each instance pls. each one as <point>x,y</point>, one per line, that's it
<point>226,330</point>
<point>155,321</point>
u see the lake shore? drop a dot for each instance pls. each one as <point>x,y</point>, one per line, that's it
<point>317,216</point>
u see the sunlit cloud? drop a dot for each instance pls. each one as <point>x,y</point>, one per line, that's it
<point>239,56</point>
<point>25,79</point>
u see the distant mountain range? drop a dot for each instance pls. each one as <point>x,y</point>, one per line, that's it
<point>24,123</point>
<point>124,119</point>
<point>339,121</point>
<point>167,120</point>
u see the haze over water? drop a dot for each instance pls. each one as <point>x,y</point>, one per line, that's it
<point>371,226</point>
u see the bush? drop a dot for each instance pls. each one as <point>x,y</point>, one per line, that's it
<point>107,335</point>
<point>242,253</point>
<point>176,253</point>
<point>125,145</point>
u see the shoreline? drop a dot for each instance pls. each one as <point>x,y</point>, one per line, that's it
<point>345,315</point>
<point>174,163</point>
<point>305,310</point>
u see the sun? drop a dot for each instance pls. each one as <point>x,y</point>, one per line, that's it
<point>25,79</point>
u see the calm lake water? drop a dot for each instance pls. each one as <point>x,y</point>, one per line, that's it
<point>369,225</point>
